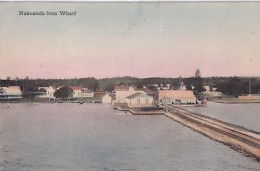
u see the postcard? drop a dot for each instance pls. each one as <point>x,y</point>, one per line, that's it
<point>129,85</point>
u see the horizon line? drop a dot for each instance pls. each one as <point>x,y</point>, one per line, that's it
<point>128,76</point>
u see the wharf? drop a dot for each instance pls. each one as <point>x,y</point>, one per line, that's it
<point>136,111</point>
<point>122,108</point>
<point>236,137</point>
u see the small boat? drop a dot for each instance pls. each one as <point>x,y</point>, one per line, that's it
<point>81,102</point>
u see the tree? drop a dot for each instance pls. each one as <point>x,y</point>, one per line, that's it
<point>197,73</point>
<point>63,92</point>
<point>109,87</point>
<point>16,80</point>
<point>231,87</point>
<point>180,80</point>
<point>8,78</point>
<point>198,82</point>
<point>188,87</point>
<point>30,90</point>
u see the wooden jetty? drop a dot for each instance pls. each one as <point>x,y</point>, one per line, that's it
<point>236,137</point>
<point>135,111</point>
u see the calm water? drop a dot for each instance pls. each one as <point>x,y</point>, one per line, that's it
<point>95,137</point>
<point>246,115</point>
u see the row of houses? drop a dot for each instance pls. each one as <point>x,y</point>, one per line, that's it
<point>77,92</point>
<point>129,95</point>
<point>47,94</point>
<point>158,87</point>
<point>14,92</point>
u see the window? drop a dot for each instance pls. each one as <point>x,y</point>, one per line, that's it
<point>146,101</point>
<point>138,101</point>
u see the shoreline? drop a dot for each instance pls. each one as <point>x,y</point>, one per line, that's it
<point>236,101</point>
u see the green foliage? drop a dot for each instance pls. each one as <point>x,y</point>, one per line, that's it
<point>226,85</point>
<point>29,88</point>
<point>229,87</point>
<point>236,86</point>
<point>110,86</point>
<point>63,92</point>
<point>188,87</point>
<point>197,82</point>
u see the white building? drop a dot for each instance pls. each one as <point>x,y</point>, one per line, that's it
<point>123,91</point>
<point>211,93</point>
<point>214,89</point>
<point>108,98</point>
<point>49,92</point>
<point>168,86</point>
<point>139,100</point>
<point>80,92</point>
<point>132,96</point>
<point>11,92</point>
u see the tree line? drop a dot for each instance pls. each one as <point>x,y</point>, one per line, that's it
<point>234,86</point>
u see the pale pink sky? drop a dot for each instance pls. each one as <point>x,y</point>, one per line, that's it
<point>130,39</point>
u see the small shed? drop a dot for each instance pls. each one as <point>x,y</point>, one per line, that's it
<point>108,98</point>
